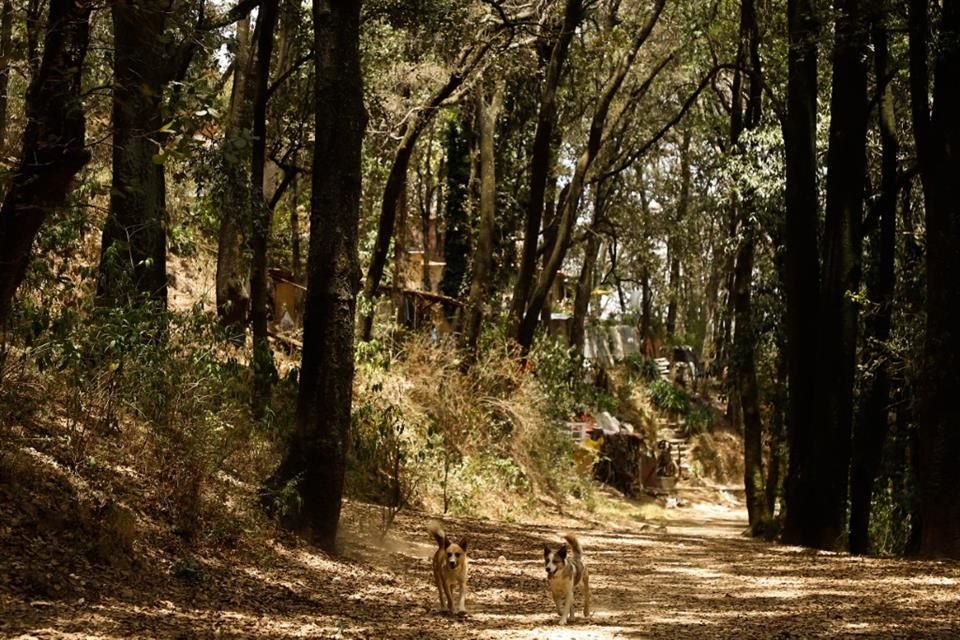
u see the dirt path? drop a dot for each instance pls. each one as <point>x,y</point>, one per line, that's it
<point>698,578</point>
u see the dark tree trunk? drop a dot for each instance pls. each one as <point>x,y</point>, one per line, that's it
<point>233,298</point>
<point>32,20</point>
<point>801,269</point>
<point>745,377</point>
<point>263,368</point>
<point>133,253</point>
<point>778,427</point>
<point>744,361</point>
<point>840,275</point>
<point>316,458</point>
<point>581,301</point>
<point>541,161</point>
<point>483,255</point>
<point>53,149</point>
<point>938,142</point>
<point>456,246</point>
<point>676,235</point>
<point>646,291</point>
<point>872,422</point>
<point>6,53</point>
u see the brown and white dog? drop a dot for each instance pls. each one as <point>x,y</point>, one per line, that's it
<point>564,573</point>
<point>449,569</point>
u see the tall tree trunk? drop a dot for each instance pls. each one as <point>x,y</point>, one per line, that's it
<point>541,161</point>
<point>570,203</point>
<point>316,459</point>
<point>233,299</point>
<point>263,368</point>
<point>872,422</point>
<point>53,149</point>
<point>938,142</point>
<point>802,280</point>
<point>133,253</point>
<point>6,53</point>
<point>456,241</point>
<point>32,24</point>
<point>676,235</point>
<point>744,360</point>
<point>483,254</point>
<point>745,377</point>
<point>581,300</point>
<point>840,275</point>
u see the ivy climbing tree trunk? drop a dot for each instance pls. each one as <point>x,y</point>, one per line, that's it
<point>315,461</point>
<point>478,299</point>
<point>456,240</point>
<point>53,149</point>
<point>233,298</point>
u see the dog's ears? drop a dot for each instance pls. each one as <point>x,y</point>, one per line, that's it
<point>562,552</point>
<point>446,542</point>
<point>463,544</point>
<point>546,551</point>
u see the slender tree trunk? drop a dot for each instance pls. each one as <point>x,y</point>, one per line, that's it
<point>483,255</point>
<point>581,301</point>
<point>53,149</point>
<point>872,422</point>
<point>840,275</point>
<point>456,245</point>
<point>32,24</point>
<point>746,384</point>
<point>233,299</point>
<point>744,369</point>
<point>541,161</point>
<point>316,459</point>
<point>778,426</point>
<point>676,235</point>
<point>938,142</point>
<point>263,368</point>
<point>802,280</point>
<point>6,28</point>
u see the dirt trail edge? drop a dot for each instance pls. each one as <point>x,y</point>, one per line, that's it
<point>692,576</point>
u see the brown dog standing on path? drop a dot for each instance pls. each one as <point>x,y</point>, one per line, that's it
<point>449,569</point>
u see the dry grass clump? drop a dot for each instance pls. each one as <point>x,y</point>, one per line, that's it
<point>474,441</point>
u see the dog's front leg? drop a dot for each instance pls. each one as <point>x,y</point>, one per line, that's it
<point>567,611</point>
<point>462,607</point>
<point>448,592</point>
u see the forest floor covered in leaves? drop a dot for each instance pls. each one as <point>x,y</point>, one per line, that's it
<point>688,573</point>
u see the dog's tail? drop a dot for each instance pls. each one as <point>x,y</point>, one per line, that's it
<point>437,532</point>
<point>574,544</point>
